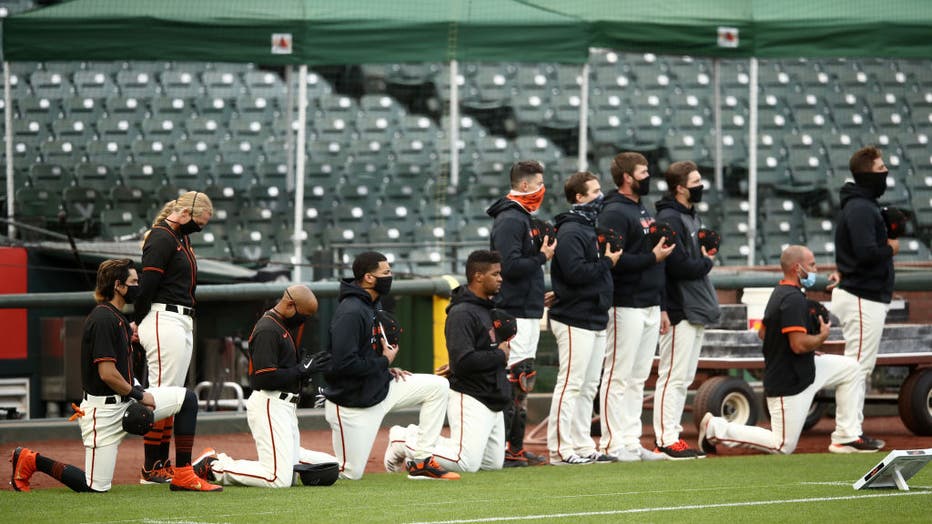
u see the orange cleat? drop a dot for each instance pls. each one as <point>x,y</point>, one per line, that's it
<point>24,465</point>
<point>186,480</point>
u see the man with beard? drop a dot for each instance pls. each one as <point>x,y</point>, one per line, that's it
<point>635,321</point>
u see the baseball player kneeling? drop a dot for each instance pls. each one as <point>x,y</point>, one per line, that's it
<point>794,373</point>
<point>477,337</point>
<point>276,377</point>
<point>362,388</point>
<point>114,403</point>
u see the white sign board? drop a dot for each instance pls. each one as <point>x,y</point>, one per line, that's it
<point>895,469</point>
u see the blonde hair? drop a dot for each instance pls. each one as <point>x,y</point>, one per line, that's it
<point>197,201</point>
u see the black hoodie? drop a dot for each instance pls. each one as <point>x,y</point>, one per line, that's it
<point>689,291</point>
<point>638,278</point>
<point>862,255</point>
<point>522,292</point>
<point>359,375</point>
<point>581,276</point>
<point>476,363</point>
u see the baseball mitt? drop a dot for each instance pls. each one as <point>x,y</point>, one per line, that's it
<point>709,239</point>
<point>895,219</point>
<point>504,325</point>
<point>661,229</point>
<point>138,419</point>
<point>815,310</point>
<point>608,237</point>
<point>390,327</point>
<point>541,229</point>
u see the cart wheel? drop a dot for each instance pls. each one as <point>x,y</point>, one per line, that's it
<point>728,397</point>
<point>916,402</point>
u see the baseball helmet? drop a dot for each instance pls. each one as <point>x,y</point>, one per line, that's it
<point>661,229</point>
<point>895,219</point>
<point>138,419</point>
<point>608,236</point>
<point>318,474</point>
<point>503,324</point>
<point>709,239</point>
<point>540,229</point>
<point>814,310</point>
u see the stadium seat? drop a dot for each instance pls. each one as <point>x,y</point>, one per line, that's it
<point>83,108</point>
<point>50,84</point>
<point>121,224</point>
<point>187,177</point>
<point>50,176</point>
<point>256,108</point>
<point>195,151</point>
<point>64,152</point>
<point>37,207</point>
<point>222,84</point>
<point>264,84</point>
<point>137,84</point>
<point>144,176</point>
<point>132,199</point>
<point>110,153</point>
<point>75,131</point>
<point>180,84</point>
<point>100,177</point>
<point>82,207</point>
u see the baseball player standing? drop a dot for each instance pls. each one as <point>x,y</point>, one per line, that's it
<point>635,322</point>
<point>165,311</point>
<point>864,257</point>
<point>109,391</point>
<point>522,293</point>
<point>794,373</point>
<point>478,383</point>
<point>582,282</point>
<point>691,303</point>
<point>276,376</point>
<point>362,388</point>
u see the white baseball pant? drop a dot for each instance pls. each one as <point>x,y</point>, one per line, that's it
<point>524,343</point>
<point>569,430</point>
<point>355,429</point>
<point>477,437</point>
<point>168,338</point>
<point>862,323</point>
<point>629,353</point>
<point>788,414</point>
<point>102,431</point>
<point>679,356</point>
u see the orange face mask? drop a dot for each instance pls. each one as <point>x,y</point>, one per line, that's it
<point>530,201</point>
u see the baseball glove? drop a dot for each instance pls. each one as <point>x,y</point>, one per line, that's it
<point>895,219</point>
<point>608,237</point>
<point>138,419</point>
<point>814,311</point>
<point>709,239</point>
<point>314,363</point>
<point>541,229</point>
<point>504,325</point>
<point>661,229</point>
<point>390,327</point>
<point>318,474</point>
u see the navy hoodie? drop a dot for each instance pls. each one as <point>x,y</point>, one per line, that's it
<point>581,276</point>
<point>522,292</point>
<point>358,376</point>
<point>638,278</point>
<point>689,291</point>
<point>862,255</point>
<point>477,365</point>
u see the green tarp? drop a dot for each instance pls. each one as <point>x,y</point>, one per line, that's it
<point>321,31</point>
<point>766,28</point>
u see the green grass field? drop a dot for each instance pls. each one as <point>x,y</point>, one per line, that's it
<point>807,488</point>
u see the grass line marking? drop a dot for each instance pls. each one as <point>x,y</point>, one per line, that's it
<point>674,508</point>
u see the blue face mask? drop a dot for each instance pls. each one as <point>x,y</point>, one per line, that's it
<point>808,281</point>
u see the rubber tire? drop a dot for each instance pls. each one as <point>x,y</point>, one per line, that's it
<point>914,402</point>
<point>728,397</point>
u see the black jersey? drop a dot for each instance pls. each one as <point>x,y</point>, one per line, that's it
<point>106,339</point>
<point>786,373</point>
<point>273,356</point>
<point>169,270</point>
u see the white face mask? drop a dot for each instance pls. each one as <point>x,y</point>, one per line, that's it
<point>809,280</point>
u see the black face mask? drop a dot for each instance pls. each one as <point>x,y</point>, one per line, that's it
<point>876,183</point>
<point>695,194</point>
<point>383,285</point>
<point>295,321</point>
<point>189,227</point>
<point>132,292</point>
<point>643,186</point>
